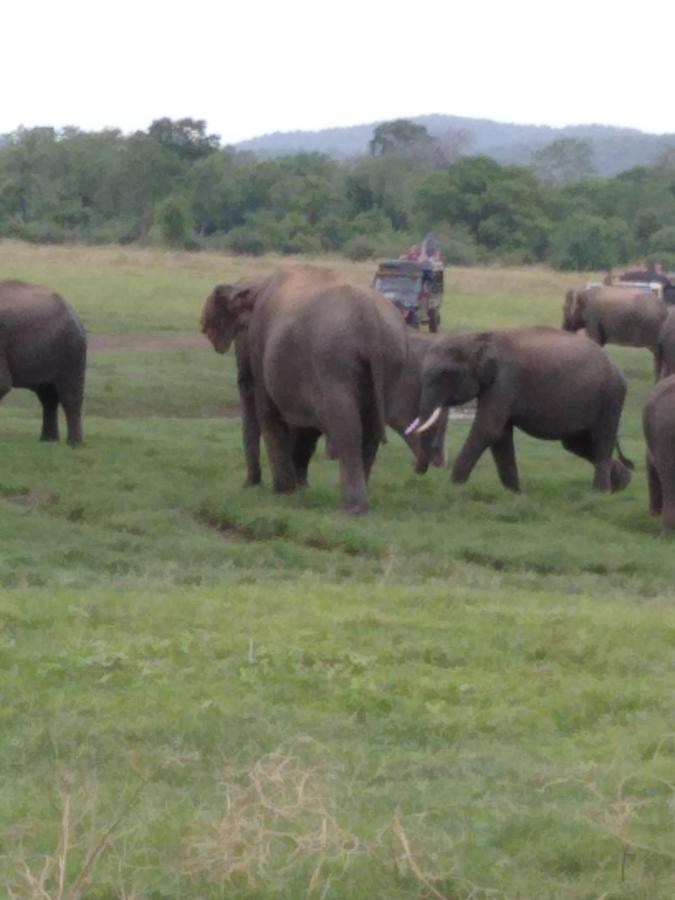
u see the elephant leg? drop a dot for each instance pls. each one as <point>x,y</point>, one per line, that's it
<point>474,447</point>
<point>663,467</point>
<point>657,364</point>
<point>70,395</point>
<point>369,446</point>
<point>250,434</point>
<point>49,399</point>
<point>584,446</point>
<point>504,455</point>
<point>279,443</point>
<point>655,490</point>
<point>5,378</point>
<point>345,434</point>
<point>304,444</point>
<point>438,440</point>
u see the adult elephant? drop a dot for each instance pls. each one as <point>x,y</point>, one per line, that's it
<point>320,356</point>
<point>43,347</point>
<point>550,384</point>
<point>658,420</point>
<point>616,315</point>
<point>666,352</point>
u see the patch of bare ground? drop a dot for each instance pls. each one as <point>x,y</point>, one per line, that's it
<point>146,342</point>
<point>268,530</point>
<point>34,499</point>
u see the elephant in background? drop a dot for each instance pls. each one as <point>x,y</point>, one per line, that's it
<point>322,356</point>
<point>666,351</point>
<point>550,384</point>
<point>658,422</point>
<point>43,347</point>
<point>616,315</point>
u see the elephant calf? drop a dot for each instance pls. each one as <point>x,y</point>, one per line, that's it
<point>552,385</point>
<point>658,421</point>
<point>43,347</point>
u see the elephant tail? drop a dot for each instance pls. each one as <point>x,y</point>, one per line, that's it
<point>628,463</point>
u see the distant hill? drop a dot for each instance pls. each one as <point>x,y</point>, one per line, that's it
<point>614,149</point>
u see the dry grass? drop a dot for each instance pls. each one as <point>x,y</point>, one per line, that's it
<point>279,819</point>
<point>531,280</point>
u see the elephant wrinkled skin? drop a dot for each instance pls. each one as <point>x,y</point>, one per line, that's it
<point>315,356</point>
<point>550,384</point>
<point>666,353</point>
<point>43,347</point>
<point>658,421</point>
<point>616,315</point>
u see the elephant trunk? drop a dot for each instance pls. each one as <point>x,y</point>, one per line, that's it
<point>628,463</point>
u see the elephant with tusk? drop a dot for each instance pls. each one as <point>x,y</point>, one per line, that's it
<point>550,384</point>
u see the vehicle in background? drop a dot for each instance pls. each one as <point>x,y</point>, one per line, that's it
<point>649,277</point>
<point>414,283</point>
<point>415,288</point>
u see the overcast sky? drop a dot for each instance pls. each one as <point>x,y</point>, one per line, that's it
<point>252,67</point>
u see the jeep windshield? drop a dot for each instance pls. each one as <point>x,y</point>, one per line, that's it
<point>399,288</point>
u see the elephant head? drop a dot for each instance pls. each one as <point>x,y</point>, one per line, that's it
<point>455,371</point>
<point>574,309</point>
<point>227,311</point>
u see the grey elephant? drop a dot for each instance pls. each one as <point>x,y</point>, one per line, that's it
<point>658,422</point>
<point>43,347</point>
<point>550,384</point>
<point>666,351</point>
<point>320,356</point>
<point>616,315</point>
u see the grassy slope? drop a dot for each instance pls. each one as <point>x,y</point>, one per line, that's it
<point>464,692</point>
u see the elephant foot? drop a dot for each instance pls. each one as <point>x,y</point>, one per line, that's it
<point>358,509</point>
<point>284,488</point>
<point>252,482</point>
<point>620,476</point>
<point>438,461</point>
<point>49,438</point>
<point>421,468</point>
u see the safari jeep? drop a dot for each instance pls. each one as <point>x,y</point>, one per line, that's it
<point>415,288</point>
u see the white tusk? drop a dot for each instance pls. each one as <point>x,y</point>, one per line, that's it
<point>430,421</point>
<point>413,425</point>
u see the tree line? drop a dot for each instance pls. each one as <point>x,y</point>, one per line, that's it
<point>174,184</point>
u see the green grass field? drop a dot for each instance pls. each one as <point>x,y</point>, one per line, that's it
<point>208,692</point>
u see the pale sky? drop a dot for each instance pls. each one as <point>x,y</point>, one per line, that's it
<point>255,67</point>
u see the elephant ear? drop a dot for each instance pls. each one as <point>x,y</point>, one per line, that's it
<point>227,306</point>
<point>486,363</point>
<point>227,311</point>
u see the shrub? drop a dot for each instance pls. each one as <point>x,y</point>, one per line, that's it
<point>663,240</point>
<point>175,224</point>
<point>586,242</point>
<point>360,247</point>
<point>246,240</point>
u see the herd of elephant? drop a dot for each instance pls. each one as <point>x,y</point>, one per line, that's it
<point>317,355</point>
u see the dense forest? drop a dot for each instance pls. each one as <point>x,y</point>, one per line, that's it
<point>175,184</point>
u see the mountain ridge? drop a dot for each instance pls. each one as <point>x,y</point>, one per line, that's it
<point>615,148</point>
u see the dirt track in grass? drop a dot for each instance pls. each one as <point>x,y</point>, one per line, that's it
<point>145,342</point>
